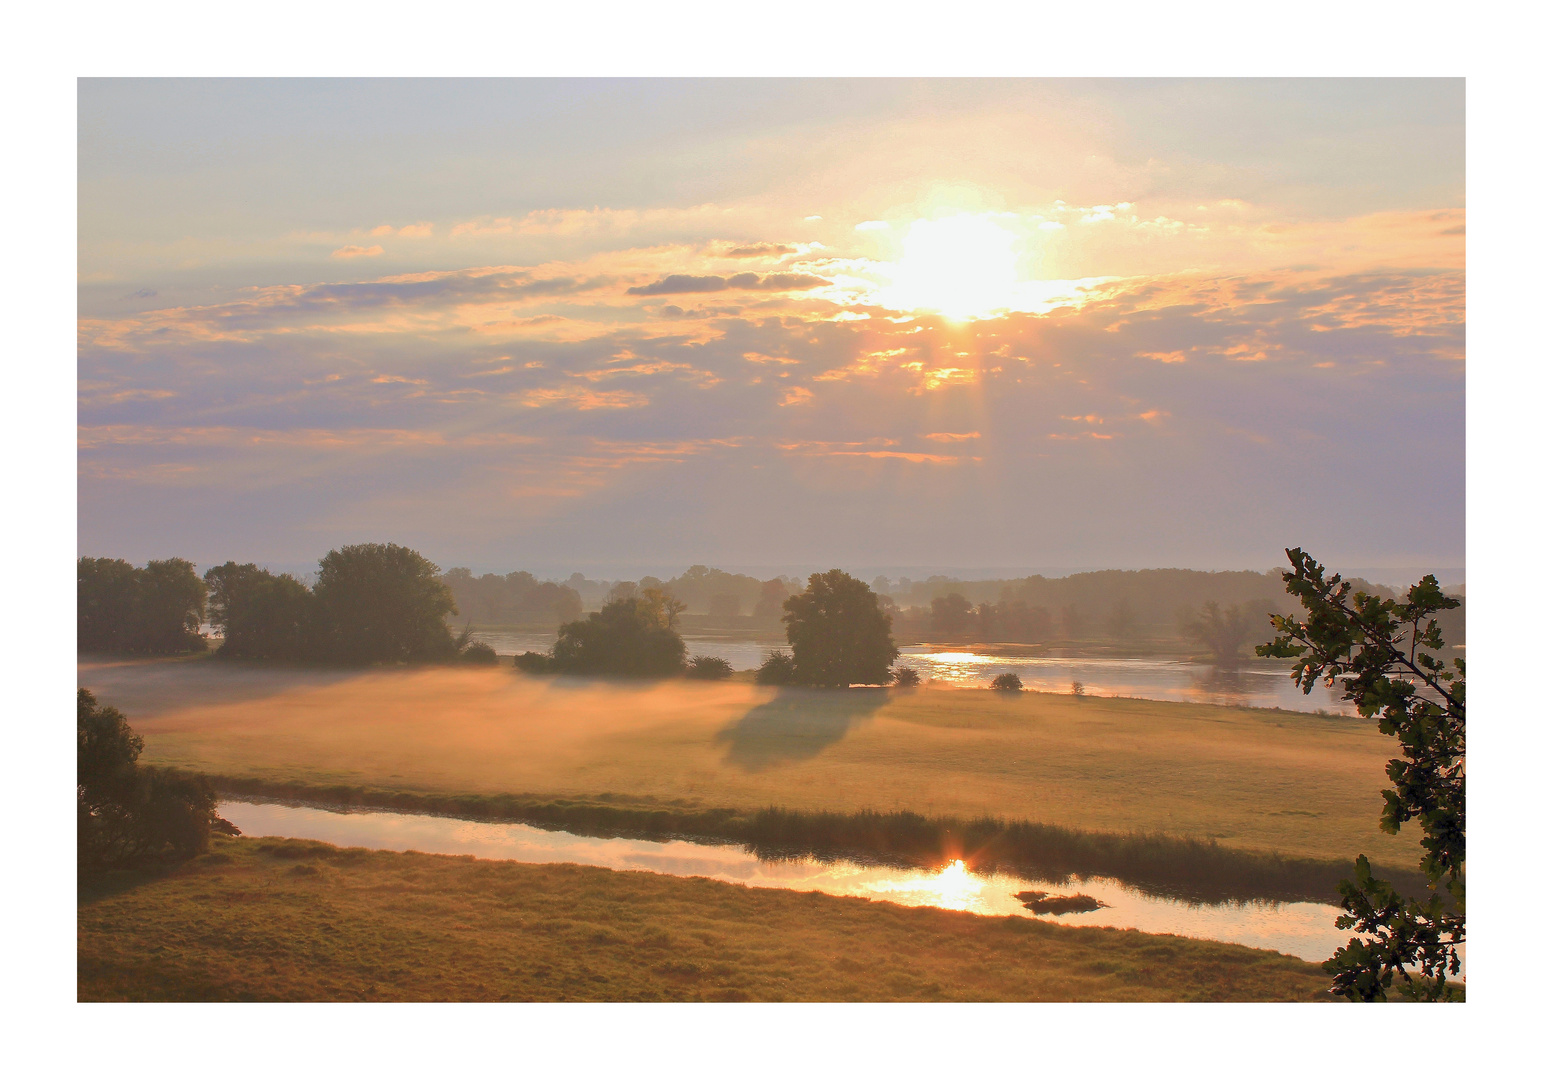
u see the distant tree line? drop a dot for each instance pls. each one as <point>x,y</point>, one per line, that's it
<point>516,598</point>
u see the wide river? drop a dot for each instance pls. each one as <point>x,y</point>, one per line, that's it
<point>1298,929</point>
<point>1255,684</point>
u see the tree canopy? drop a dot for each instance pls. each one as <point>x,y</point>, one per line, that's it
<point>1383,653</point>
<point>838,633</point>
<point>382,603</point>
<point>155,609</point>
<point>125,811</point>
<point>632,635</point>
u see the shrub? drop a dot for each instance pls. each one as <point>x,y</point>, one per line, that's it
<point>479,652</point>
<point>708,667</point>
<point>776,670</point>
<point>905,677</point>
<point>534,663</point>
<point>1007,681</point>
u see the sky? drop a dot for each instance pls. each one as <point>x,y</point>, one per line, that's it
<point>603,325</point>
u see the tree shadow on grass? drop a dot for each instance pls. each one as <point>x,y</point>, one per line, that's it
<point>797,725</point>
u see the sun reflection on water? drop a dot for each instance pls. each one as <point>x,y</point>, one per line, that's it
<point>954,887</point>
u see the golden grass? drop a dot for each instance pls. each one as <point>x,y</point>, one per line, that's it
<point>1259,780</point>
<point>298,920</point>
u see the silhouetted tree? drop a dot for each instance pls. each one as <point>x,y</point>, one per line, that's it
<point>156,609</point>
<point>1122,620</point>
<point>905,677</point>
<point>837,632</point>
<point>1007,681</point>
<point>261,615</point>
<point>951,617</point>
<point>630,636</point>
<point>125,811</point>
<point>382,603</point>
<point>773,594</point>
<point>1381,654</point>
<point>1224,632</point>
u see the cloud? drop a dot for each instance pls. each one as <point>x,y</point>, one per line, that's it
<point>354,251</point>
<point>951,436</point>
<point>751,251</point>
<point>673,284</point>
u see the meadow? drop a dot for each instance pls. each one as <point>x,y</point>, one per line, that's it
<point>296,920</point>
<point>1255,781</point>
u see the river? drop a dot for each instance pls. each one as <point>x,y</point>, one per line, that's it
<point>1298,929</point>
<point>1256,684</point>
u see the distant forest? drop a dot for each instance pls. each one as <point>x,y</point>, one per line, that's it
<point>1111,606</point>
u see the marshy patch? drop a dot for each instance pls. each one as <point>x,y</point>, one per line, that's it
<point>1042,903</point>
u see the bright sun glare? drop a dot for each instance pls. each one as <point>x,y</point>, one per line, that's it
<point>962,267</point>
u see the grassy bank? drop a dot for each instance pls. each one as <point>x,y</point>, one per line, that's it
<point>1164,865</point>
<point>1252,780</point>
<point>297,920</point>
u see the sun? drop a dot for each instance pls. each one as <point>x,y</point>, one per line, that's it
<point>962,266</point>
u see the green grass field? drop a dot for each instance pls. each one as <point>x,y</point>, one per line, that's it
<point>296,920</point>
<point>1303,785</point>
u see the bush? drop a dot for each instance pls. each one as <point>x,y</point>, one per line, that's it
<point>534,663</point>
<point>776,670</point>
<point>906,677</point>
<point>708,667</point>
<point>126,812</point>
<point>1007,681</point>
<point>479,652</point>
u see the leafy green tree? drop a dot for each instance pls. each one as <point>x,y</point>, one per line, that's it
<point>382,603</point>
<point>838,634</point>
<point>631,635</point>
<point>1383,654</point>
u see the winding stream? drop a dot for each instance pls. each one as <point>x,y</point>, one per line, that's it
<point>1298,929</point>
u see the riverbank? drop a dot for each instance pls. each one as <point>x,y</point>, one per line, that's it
<point>1251,780</point>
<point>1177,867</point>
<point>267,920</point>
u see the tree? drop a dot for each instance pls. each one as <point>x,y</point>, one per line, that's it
<point>125,811</point>
<point>1224,632</point>
<point>951,617</point>
<point>837,632</point>
<point>155,609</point>
<point>906,677</point>
<point>633,636</point>
<point>1384,658</point>
<point>382,603</point>
<point>1122,620</point>
<point>259,614</point>
<point>1007,681</point>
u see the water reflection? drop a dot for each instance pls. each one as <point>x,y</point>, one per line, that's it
<point>1299,929</point>
<point>1254,684</point>
<point>796,725</point>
